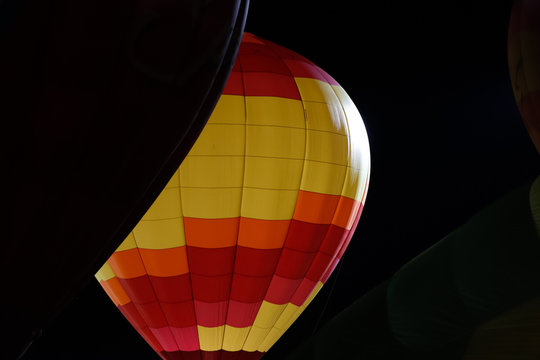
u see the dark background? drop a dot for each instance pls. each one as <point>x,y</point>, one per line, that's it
<point>431,81</point>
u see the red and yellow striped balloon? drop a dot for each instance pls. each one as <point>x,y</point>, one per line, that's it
<point>255,219</point>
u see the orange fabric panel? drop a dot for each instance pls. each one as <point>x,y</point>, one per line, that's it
<point>116,292</point>
<point>127,264</point>
<point>211,233</point>
<point>346,211</point>
<point>262,234</point>
<point>315,208</point>
<point>165,262</point>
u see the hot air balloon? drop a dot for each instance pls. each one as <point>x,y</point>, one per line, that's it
<point>256,218</point>
<point>95,125</point>
<point>524,63</point>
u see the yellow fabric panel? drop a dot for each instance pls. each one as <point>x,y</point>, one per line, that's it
<point>268,314</point>
<point>210,338</point>
<point>287,318</point>
<point>105,273</point>
<point>327,147</point>
<point>230,109</point>
<point>275,141</point>
<point>316,90</point>
<point>277,111</point>
<point>160,234</point>
<point>128,243</point>
<point>166,206</point>
<point>272,337</point>
<point>273,173</point>
<point>355,183</point>
<point>278,204</point>
<point>212,171</point>
<point>255,338</point>
<point>234,337</point>
<point>325,117</point>
<point>211,203</point>
<point>219,139</point>
<point>359,156</point>
<point>286,315</point>
<point>323,178</point>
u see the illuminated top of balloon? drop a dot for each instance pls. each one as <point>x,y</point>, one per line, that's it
<point>255,219</point>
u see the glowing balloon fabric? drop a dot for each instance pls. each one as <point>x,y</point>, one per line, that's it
<point>256,218</point>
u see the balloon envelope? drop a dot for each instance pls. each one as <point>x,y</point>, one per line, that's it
<point>102,101</point>
<point>524,63</point>
<point>255,219</point>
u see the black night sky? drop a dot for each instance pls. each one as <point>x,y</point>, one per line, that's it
<point>431,81</point>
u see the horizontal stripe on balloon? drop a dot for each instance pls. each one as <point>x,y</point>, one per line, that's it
<point>116,292</point>
<point>211,233</point>
<point>242,314</point>
<point>262,234</point>
<point>270,84</point>
<point>249,289</point>
<point>211,261</point>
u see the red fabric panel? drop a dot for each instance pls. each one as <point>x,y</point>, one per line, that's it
<point>174,355</point>
<point>241,314</point>
<point>223,355</point>
<point>281,290</point>
<point>334,239</point>
<point>180,315</point>
<point>177,355</point>
<point>330,270</point>
<point>294,264</point>
<point>256,262</point>
<point>139,289</point>
<point>187,338</point>
<point>527,19</point>
<point>263,63</point>
<point>165,338</point>
<point>319,266</point>
<point>328,78</point>
<point>349,235</point>
<point>211,355</point>
<point>249,289</point>
<point>257,47</point>
<point>211,288</point>
<point>132,314</point>
<point>173,288</point>
<point>149,337</point>
<point>305,236</point>
<point>303,291</point>
<point>229,355</point>
<point>234,85</point>
<point>300,68</point>
<point>211,314</point>
<point>268,84</point>
<point>152,314</point>
<point>211,262</point>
